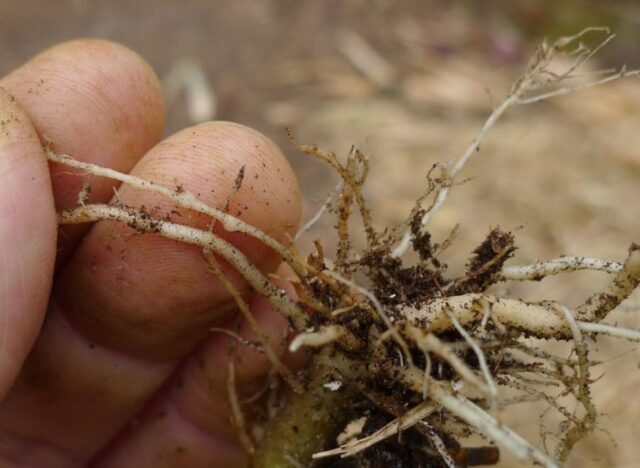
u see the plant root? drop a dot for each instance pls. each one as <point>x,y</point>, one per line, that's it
<point>387,335</point>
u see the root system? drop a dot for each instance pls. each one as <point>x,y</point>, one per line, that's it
<point>408,362</point>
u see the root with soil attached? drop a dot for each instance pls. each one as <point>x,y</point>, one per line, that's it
<point>407,361</point>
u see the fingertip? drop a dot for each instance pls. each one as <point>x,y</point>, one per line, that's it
<point>95,86</point>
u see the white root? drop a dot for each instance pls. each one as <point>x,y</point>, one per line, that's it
<point>439,445</point>
<point>565,264</point>
<point>482,361</point>
<point>575,88</point>
<point>481,421</point>
<point>237,417</point>
<point>185,199</point>
<point>624,283</point>
<point>323,336</point>
<point>429,343</point>
<point>604,329</point>
<point>488,426</point>
<point>535,319</point>
<point>189,235</point>
<point>586,425</point>
<point>352,431</point>
<point>342,310</point>
<point>410,418</point>
<point>253,323</point>
<point>521,94</point>
<point>379,310</point>
<point>316,217</point>
<point>443,192</point>
<point>237,338</point>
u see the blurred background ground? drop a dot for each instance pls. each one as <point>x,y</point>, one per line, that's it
<point>411,83</point>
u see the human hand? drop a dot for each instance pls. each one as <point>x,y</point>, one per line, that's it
<point>124,371</point>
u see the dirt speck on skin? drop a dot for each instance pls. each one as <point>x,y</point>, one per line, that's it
<point>10,120</point>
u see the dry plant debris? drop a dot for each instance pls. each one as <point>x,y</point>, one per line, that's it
<point>408,362</point>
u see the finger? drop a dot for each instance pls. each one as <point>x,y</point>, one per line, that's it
<point>128,307</point>
<point>188,422</point>
<point>95,100</point>
<point>27,238</point>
